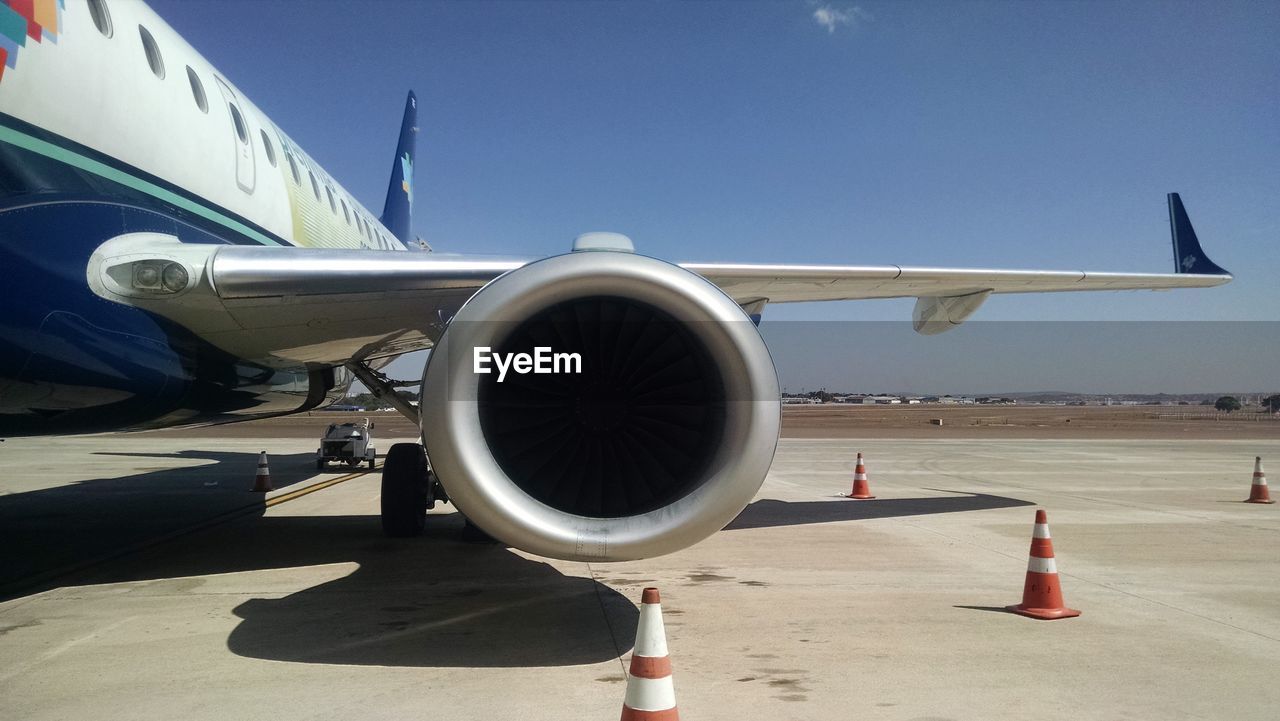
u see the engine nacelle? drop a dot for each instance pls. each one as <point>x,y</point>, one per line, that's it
<point>657,439</point>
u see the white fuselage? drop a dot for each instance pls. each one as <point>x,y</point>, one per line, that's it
<point>100,90</point>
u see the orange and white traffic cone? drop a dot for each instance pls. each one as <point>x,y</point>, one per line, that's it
<point>650,694</point>
<point>1258,492</point>
<point>861,489</point>
<point>262,483</point>
<point>1041,594</point>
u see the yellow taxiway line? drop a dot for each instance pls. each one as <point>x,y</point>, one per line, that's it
<point>316,487</point>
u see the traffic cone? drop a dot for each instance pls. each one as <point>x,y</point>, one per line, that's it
<point>262,483</point>
<point>1258,492</point>
<point>861,489</point>
<point>650,693</point>
<point>1041,594</point>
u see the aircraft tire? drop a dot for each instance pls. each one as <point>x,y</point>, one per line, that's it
<point>404,491</point>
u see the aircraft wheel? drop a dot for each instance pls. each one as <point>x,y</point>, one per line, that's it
<point>404,490</point>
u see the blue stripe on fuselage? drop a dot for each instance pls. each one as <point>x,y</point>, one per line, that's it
<point>71,361</point>
<point>35,161</point>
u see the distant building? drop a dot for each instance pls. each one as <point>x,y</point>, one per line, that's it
<point>847,399</point>
<point>800,401</point>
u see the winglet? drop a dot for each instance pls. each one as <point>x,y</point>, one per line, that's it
<point>1188,257</point>
<point>397,212</point>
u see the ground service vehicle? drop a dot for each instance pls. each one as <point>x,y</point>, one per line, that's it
<point>348,443</point>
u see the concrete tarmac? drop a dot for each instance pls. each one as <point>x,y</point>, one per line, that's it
<point>143,580</point>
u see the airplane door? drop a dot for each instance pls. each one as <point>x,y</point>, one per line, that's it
<point>241,137</point>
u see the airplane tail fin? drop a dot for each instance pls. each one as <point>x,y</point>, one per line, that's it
<point>1188,257</point>
<point>397,213</point>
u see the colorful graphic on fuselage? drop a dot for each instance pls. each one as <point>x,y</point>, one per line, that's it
<point>38,20</point>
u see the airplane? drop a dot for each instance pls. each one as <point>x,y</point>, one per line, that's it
<point>172,257</point>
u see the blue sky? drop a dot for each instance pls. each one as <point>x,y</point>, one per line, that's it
<point>975,134</point>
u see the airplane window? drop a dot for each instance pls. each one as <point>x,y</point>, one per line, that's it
<point>101,18</point>
<point>153,52</point>
<point>345,215</point>
<point>197,90</point>
<point>293,167</point>
<point>332,206</point>
<point>239,123</point>
<point>315,187</point>
<point>266,145</point>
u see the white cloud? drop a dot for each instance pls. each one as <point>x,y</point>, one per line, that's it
<point>830,17</point>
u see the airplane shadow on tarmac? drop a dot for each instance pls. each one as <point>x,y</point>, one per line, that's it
<point>433,601</point>
<point>770,513</point>
<point>48,532</point>
<point>430,601</point>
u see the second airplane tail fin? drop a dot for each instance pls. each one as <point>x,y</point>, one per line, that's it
<point>397,212</point>
<point>1188,256</point>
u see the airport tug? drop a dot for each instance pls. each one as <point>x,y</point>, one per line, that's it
<point>349,443</point>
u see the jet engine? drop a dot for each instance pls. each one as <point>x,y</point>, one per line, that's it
<point>600,406</point>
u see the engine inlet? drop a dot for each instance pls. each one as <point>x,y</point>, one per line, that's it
<point>633,431</point>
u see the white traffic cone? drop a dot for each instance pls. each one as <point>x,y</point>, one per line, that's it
<point>651,696</point>
<point>1258,492</point>
<point>262,482</point>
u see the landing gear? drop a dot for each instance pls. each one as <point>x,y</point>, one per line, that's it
<point>406,485</point>
<point>409,490</point>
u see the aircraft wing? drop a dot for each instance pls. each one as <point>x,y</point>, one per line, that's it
<point>331,307</point>
<point>804,283</point>
<point>792,284</point>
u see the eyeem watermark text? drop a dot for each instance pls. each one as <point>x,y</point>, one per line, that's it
<point>541,362</point>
